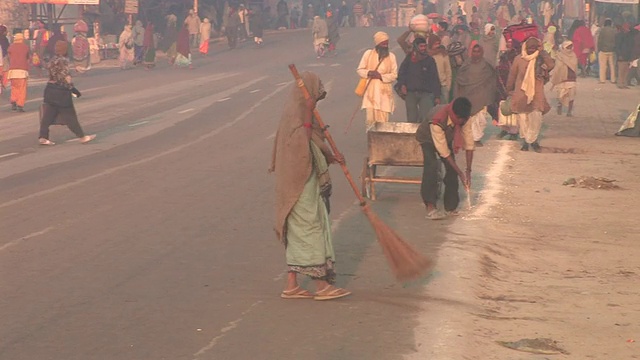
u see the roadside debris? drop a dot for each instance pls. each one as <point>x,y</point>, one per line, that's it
<point>593,183</point>
<point>543,346</point>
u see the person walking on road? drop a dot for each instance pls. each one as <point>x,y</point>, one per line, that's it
<point>138,42</point>
<point>527,77</point>
<point>300,161</point>
<point>257,26</point>
<point>508,123</point>
<point>125,44</point>
<point>625,43</point>
<point>183,57</point>
<point>443,64</point>
<point>334,32</point>
<point>583,44</point>
<point>58,102</point>
<point>563,77</point>
<point>81,48</point>
<point>193,25</point>
<point>476,80</point>
<point>320,32</point>
<point>444,132</point>
<point>606,52</point>
<point>419,82</point>
<point>379,66</point>
<point>18,74</point>
<point>205,35</point>
<point>149,47</point>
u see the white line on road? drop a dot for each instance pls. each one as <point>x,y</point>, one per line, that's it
<point>232,325</point>
<point>271,136</point>
<point>254,91</point>
<point>138,123</point>
<point>328,86</point>
<point>283,83</point>
<point>174,150</point>
<point>280,276</point>
<point>7,155</point>
<point>27,237</point>
<point>336,223</point>
<point>74,139</point>
<point>224,99</point>
<point>185,111</point>
<point>493,188</point>
<point>336,64</point>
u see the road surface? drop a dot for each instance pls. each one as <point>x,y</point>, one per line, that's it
<point>156,242</point>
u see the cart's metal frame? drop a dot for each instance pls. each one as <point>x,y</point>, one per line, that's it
<point>390,144</point>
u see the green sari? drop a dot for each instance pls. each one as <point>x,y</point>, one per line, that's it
<point>309,247</point>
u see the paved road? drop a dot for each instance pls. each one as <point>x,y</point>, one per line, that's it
<point>156,241</point>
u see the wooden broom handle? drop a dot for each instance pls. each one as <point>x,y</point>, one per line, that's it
<point>324,128</point>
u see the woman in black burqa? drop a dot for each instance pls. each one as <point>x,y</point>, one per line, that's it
<point>58,102</point>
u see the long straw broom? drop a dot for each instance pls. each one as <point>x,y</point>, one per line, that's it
<point>405,262</point>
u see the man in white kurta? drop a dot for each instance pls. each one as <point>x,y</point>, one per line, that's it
<point>380,67</point>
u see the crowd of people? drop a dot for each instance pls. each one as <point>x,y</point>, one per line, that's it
<point>454,80</point>
<point>34,49</point>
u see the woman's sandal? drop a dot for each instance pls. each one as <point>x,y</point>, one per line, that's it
<point>87,138</point>
<point>296,293</point>
<point>328,294</point>
<point>44,141</point>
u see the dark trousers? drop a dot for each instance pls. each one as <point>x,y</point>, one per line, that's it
<point>418,104</point>
<point>623,72</point>
<point>54,115</point>
<point>138,53</point>
<point>429,188</point>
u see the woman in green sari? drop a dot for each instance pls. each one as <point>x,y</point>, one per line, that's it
<point>300,162</point>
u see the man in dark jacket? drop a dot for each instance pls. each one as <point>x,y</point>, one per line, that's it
<point>606,51</point>
<point>418,82</point>
<point>624,51</point>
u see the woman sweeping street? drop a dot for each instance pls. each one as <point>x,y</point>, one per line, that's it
<point>300,162</point>
<point>58,102</point>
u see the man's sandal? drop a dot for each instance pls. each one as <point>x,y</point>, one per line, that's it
<point>296,293</point>
<point>329,294</point>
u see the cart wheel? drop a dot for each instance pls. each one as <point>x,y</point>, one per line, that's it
<point>364,179</point>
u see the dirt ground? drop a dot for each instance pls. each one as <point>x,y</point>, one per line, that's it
<point>553,262</point>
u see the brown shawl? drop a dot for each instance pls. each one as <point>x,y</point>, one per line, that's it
<point>567,59</point>
<point>477,82</point>
<point>292,160</point>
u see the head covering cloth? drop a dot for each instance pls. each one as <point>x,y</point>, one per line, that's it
<point>379,37</point>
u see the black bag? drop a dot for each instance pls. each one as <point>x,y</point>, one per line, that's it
<point>58,96</point>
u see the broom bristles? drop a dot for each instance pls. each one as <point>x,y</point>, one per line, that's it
<point>405,262</point>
